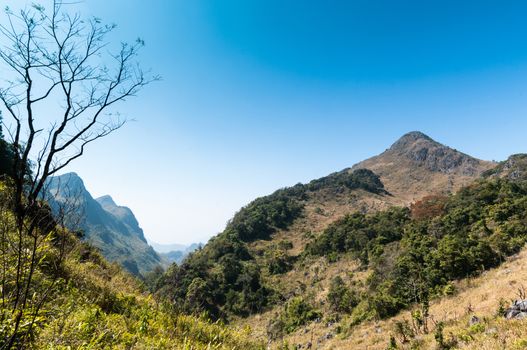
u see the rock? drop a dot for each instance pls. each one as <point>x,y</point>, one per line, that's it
<point>474,320</point>
<point>517,311</point>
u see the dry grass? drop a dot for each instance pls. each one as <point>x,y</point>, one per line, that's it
<point>478,296</point>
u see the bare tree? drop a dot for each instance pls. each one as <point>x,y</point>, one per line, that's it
<point>63,62</point>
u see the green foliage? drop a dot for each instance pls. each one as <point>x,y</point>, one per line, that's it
<point>361,234</point>
<point>455,245</point>
<point>297,312</point>
<point>359,179</point>
<point>342,298</point>
<point>231,281</point>
<point>278,261</point>
<point>7,155</point>
<point>77,300</point>
<point>441,342</point>
<point>415,256</point>
<point>224,276</point>
<point>265,215</point>
<point>403,330</point>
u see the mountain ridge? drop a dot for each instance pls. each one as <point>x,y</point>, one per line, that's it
<point>269,246</point>
<point>111,228</point>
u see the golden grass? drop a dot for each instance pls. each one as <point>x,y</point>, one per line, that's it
<point>478,296</point>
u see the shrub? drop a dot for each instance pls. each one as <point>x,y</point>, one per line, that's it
<point>297,312</point>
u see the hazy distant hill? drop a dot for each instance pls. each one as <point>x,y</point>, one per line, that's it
<point>110,227</point>
<point>178,255</point>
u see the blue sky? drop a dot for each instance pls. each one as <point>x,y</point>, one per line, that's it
<point>258,95</point>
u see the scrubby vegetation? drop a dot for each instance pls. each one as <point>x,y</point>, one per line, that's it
<point>414,254</point>
<point>78,300</point>
<point>364,179</point>
<point>224,279</point>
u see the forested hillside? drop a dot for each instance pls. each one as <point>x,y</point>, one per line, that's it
<point>349,249</point>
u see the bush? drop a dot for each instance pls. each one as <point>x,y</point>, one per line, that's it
<point>340,297</point>
<point>297,312</point>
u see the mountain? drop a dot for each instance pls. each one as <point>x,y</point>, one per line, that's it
<point>359,245</point>
<point>416,165</point>
<point>514,168</point>
<point>111,228</point>
<point>178,255</point>
<point>166,248</point>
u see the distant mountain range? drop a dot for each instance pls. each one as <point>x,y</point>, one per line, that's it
<point>174,252</point>
<point>110,227</point>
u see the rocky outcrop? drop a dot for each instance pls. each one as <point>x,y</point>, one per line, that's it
<point>416,166</point>
<point>514,168</point>
<point>434,156</point>
<point>517,311</point>
<point>113,229</point>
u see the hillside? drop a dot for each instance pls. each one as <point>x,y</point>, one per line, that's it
<point>78,300</point>
<point>111,228</point>
<point>353,235</point>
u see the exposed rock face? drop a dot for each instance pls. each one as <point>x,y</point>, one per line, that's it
<point>416,166</point>
<point>514,168</point>
<point>124,214</point>
<point>518,310</point>
<point>111,228</point>
<point>434,156</point>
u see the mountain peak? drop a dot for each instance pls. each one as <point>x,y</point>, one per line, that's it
<point>423,151</point>
<point>410,139</point>
<point>106,200</point>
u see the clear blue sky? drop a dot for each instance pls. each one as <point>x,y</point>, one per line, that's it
<point>262,94</point>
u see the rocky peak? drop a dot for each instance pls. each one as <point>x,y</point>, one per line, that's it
<point>67,185</point>
<point>106,201</point>
<point>410,139</point>
<point>424,151</point>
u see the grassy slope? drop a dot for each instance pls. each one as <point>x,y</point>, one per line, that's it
<point>92,304</point>
<point>100,306</point>
<point>103,307</point>
<point>478,296</point>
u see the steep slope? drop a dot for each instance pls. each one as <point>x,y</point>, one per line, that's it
<point>111,228</point>
<point>77,300</point>
<point>414,166</point>
<point>124,215</point>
